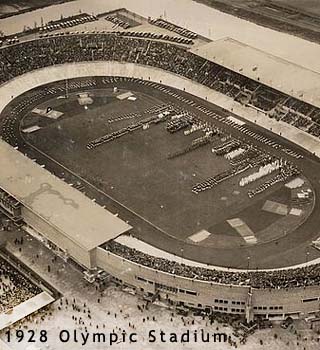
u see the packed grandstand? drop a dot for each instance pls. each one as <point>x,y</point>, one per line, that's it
<point>20,58</point>
<point>293,278</point>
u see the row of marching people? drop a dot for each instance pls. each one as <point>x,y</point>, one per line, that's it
<point>263,171</point>
<point>286,172</point>
<point>213,181</point>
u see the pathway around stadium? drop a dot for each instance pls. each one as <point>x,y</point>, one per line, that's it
<point>117,309</point>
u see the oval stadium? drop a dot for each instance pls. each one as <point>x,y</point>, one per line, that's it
<point>139,155</point>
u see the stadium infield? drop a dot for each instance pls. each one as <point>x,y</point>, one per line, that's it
<point>132,177</point>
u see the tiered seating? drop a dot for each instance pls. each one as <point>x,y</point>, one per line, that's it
<point>20,58</point>
<point>279,279</point>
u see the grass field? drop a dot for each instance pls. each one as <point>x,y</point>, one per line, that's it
<point>134,170</point>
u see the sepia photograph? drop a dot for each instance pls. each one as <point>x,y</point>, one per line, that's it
<point>159,174</point>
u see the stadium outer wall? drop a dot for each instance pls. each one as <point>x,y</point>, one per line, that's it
<point>270,303</point>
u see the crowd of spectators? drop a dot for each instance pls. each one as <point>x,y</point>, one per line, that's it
<point>279,279</point>
<point>300,114</point>
<point>14,287</point>
<point>20,58</point>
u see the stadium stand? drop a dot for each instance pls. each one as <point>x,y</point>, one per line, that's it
<point>20,58</point>
<point>301,277</point>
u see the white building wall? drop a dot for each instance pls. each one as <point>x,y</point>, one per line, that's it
<point>79,254</point>
<point>278,302</point>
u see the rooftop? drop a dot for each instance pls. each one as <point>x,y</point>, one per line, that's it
<point>67,209</point>
<point>270,70</point>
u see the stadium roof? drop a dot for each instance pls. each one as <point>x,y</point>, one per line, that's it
<point>270,70</point>
<point>67,209</point>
